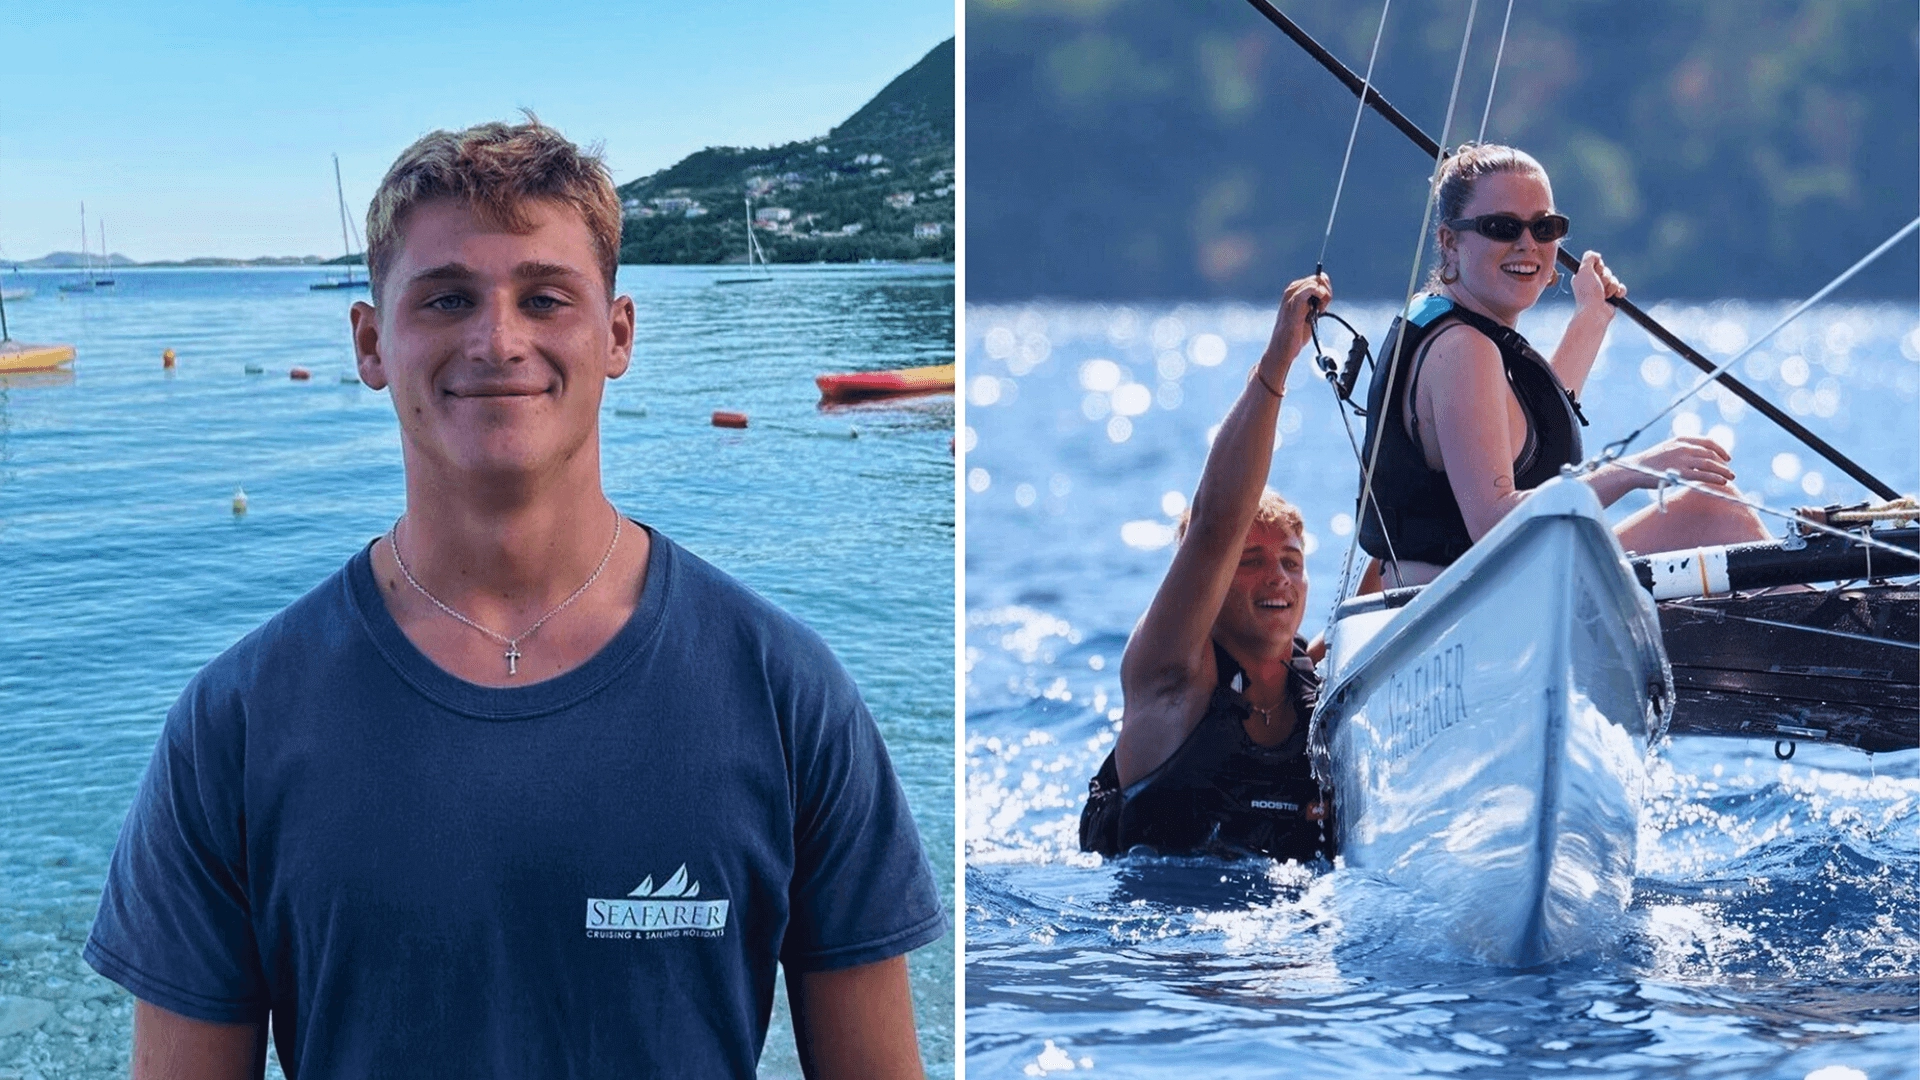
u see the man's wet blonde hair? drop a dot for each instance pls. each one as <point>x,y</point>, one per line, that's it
<point>499,170</point>
<point>1273,510</point>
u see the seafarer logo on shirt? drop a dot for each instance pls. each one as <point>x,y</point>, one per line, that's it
<point>671,910</point>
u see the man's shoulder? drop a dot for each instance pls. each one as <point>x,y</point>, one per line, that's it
<point>734,627</point>
<point>726,605</point>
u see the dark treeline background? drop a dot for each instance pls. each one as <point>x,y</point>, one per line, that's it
<point>1186,148</point>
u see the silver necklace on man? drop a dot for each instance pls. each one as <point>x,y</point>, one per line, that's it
<point>513,654</point>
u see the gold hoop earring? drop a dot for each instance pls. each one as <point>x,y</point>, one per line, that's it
<point>1447,269</point>
<point>1555,279</point>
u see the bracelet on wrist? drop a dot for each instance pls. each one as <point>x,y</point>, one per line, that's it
<point>1255,373</point>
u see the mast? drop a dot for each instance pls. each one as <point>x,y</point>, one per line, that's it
<point>748,203</point>
<point>86,261</point>
<point>341,193</point>
<point>106,265</point>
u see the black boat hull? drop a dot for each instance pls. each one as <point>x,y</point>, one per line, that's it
<point>1837,665</point>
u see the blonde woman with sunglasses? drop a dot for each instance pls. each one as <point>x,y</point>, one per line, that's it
<point>1477,418</point>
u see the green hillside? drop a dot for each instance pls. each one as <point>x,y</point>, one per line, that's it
<point>878,186</point>
<point>1185,148</point>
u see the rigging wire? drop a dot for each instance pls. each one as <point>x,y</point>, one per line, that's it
<point>1672,479</point>
<point>1413,283</point>
<point>1360,111</point>
<point>1498,54</point>
<point>1868,638</point>
<point>1613,450</point>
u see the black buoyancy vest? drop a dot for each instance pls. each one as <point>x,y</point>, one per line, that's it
<point>1221,792</point>
<point>1421,517</point>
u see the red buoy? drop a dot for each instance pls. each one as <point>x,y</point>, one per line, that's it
<point>299,374</point>
<point>723,418</point>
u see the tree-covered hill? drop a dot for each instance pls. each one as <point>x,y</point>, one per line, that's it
<point>878,186</point>
<point>1170,148</point>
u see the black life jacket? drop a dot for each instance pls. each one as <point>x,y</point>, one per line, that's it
<point>1416,503</point>
<point>1221,792</point>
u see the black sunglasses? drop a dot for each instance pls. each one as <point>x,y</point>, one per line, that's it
<point>1505,228</point>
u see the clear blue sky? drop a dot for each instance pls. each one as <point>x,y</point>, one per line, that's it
<point>205,129</point>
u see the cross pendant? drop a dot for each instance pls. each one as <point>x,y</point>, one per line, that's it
<point>513,658</point>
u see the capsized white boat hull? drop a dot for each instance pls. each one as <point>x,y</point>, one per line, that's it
<point>1487,743</point>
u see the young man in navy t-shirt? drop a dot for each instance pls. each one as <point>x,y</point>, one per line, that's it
<point>525,789</point>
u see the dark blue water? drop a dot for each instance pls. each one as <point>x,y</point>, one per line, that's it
<point>1776,926</point>
<point>123,569</point>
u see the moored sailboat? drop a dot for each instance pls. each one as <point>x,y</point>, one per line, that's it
<point>346,229</point>
<point>86,282</point>
<point>103,278</point>
<point>755,257</point>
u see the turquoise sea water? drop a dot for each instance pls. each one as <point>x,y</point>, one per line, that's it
<point>1776,927</point>
<point>123,569</point>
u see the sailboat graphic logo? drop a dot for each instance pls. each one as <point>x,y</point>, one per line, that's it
<point>675,886</point>
<point>672,909</point>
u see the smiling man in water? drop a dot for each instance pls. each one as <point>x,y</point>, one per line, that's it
<point>524,789</point>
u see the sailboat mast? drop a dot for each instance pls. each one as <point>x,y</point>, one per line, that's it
<point>341,192</point>
<point>86,262</point>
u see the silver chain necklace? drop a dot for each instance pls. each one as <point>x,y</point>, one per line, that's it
<point>512,643</point>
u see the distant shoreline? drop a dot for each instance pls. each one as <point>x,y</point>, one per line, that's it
<point>62,271</point>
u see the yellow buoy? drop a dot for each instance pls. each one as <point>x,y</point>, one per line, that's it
<point>166,359</point>
<point>239,501</point>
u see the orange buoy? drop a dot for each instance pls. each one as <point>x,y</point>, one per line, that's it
<point>166,359</point>
<point>723,418</point>
<point>299,374</point>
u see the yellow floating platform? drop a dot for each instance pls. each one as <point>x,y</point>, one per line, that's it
<point>18,356</point>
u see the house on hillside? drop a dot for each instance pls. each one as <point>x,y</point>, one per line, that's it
<point>900,200</point>
<point>929,230</point>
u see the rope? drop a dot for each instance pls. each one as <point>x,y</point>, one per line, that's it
<point>1359,111</point>
<point>1898,510</point>
<point>1671,479</point>
<point>1413,280</point>
<point>1495,81</point>
<point>1614,449</point>
<point>1340,406</point>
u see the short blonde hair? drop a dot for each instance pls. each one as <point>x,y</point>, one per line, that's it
<point>497,169</point>
<point>1273,510</point>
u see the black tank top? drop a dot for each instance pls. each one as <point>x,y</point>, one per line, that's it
<point>1414,501</point>
<point>1221,792</point>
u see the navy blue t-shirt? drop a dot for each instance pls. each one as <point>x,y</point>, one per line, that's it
<point>593,875</point>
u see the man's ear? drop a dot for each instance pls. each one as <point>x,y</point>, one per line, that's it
<point>366,344</point>
<point>621,355</point>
